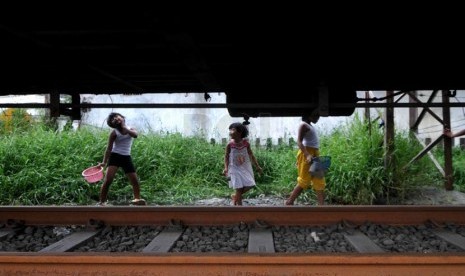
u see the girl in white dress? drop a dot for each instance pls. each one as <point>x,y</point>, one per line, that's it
<point>237,162</point>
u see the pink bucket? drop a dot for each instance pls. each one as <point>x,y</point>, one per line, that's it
<point>93,174</point>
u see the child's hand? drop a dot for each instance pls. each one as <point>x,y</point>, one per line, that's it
<point>123,124</point>
<point>225,172</point>
<point>447,132</point>
<point>309,158</point>
<point>259,169</point>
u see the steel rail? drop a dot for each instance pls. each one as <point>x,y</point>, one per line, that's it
<point>203,215</point>
<point>231,264</point>
<point>73,263</point>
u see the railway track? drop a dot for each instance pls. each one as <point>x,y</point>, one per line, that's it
<point>322,240</point>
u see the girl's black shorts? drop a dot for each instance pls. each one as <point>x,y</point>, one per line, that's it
<point>123,161</point>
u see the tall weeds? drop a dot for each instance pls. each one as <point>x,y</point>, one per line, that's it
<point>358,174</point>
<point>40,166</point>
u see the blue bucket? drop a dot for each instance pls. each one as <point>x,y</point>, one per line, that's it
<point>320,165</point>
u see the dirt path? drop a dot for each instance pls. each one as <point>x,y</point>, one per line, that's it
<point>425,196</point>
<point>435,196</point>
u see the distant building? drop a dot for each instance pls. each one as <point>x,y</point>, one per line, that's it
<point>214,122</point>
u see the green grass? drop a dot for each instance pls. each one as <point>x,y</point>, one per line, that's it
<point>458,159</point>
<point>40,166</point>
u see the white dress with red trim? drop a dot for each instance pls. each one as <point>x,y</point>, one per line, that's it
<point>240,168</point>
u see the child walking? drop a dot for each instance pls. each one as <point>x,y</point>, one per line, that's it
<point>237,162</point>
<point>118,154</point>
<point>309,144</point>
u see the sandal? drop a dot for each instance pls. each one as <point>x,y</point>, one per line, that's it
<point>233,199</point>
<point>138,201</point>
<point>106,203</point>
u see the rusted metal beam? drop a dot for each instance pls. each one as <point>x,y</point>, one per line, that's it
<point>413,115</point>
<point>231,105</point>
<point>204,215</point>
<point>430,155</point>
<point>413,98</point>
<point>425,150</point>
<point>449,172</point>
<point>427,108</point>
<point>389,133</point>
<point>232,264</point>
<point>155,263</point>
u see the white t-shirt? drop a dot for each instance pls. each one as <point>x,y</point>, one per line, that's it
<point>311,137</point>
<point>122,144</point>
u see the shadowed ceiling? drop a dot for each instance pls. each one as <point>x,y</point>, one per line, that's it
<point>243,52</point>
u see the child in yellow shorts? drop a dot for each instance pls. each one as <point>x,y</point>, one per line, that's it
<point>308,143</point>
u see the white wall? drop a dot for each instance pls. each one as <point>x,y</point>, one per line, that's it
<point>429,126</point>
<point>214,122</point>
<point>22,99</point>
<point>211,123</point>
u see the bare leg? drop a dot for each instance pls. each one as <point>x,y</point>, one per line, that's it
<point>246,189</point>
<point>320,195</point>
<point>109,176</point>
<point>295,193</point>
<point>136,189</point>
<point>238,197</point>
<point>135,184</point>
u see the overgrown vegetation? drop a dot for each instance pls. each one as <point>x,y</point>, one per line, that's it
<point>358,175</point>
<point>41,166</point>
<point>458,158</point>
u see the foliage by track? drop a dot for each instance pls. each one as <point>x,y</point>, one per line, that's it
<point>42,166</point>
